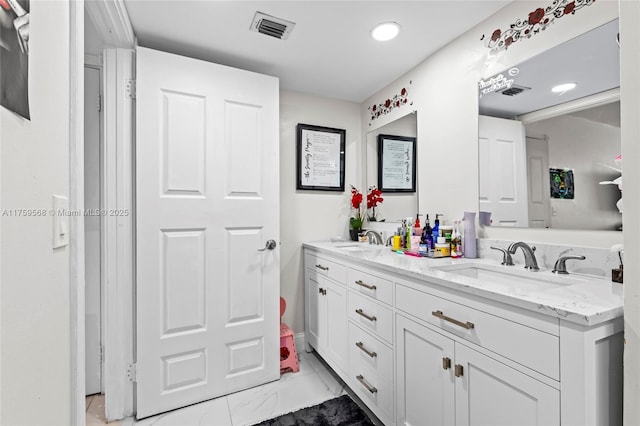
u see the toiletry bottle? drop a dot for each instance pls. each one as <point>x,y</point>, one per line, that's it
<point>397,241</point>
<point>417,230</point>
<point>436,230</point>
<point>459,243</point>
<point>454,241</point>
<point>403,233</point>
<point>426,236</point>
<point>408,233</point>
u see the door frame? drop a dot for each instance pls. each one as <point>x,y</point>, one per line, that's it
<point>114,28</point>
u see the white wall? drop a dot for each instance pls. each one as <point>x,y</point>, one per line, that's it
<point>630,109</point>
<point>581,145</point>
<point>35,303</point>
<point>312,215</point>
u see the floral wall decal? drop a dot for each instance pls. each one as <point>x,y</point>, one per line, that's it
<point>398,100</point>
<point>536,21</point>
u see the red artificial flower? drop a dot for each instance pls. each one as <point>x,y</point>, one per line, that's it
<point>508,41</point>
<point>569,8</point>
<point>403,92</point>
<point>397,103</point>
<point>374,197</point>
<point>387,103</point>
<point>496,35</point>
<point>536,16</point>
<point>374,108</point>
<point>356,198</point>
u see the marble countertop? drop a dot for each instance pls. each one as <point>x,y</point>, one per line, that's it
<point>580,299</point>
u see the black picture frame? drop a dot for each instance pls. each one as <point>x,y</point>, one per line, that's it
<point>320,158</point>
<point>396,163</point>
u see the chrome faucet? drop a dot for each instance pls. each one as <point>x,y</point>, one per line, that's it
<point>377,240</point>
<point>506,256</point>
<point>560,267</point>
<point>530,261</point>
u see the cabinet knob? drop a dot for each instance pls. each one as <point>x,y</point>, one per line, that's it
<point>365,350</point>
<point>367,286</point>
<point>369,317</point>
<point>458,371</point>
<point>364,383</point>
<point>446,363</point>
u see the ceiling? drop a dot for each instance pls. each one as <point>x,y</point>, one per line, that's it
<point>329,52</point>
<point>592,60</point>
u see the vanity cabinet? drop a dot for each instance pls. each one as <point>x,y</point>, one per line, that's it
<point>443,382</point>
<point>419,352</point>
<point>326,309</point>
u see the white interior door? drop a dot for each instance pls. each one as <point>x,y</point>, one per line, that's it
<point>538,182</point>
<point>503,172</point>
<point>207,192</point>
<point>92,315</point>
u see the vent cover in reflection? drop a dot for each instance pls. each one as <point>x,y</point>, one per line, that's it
<point>272,26</point>
<point>515,90</point>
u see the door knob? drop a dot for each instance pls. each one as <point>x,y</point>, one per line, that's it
<point>271,244</point>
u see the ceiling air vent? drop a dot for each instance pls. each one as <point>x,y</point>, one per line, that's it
<point>272,26</point>
<point>515,90</point>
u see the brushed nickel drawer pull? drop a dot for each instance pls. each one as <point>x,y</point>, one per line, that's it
<point>370,388</point>
<point>370,318</point>
<point>458,370</point>
<point>446,363</point>
<point>324,268</point>
<point>363,349</point>
<point>468,325</point>
<point>367,286</point>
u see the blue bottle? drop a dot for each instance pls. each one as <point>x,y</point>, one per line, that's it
<point>436,231</point>
<point>427,236</point>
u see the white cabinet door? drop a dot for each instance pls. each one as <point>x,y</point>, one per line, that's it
<point>337,325</point>
<point>424,376</point>
<point>315,310</point>
<point>207,199</point>
<point>491,393</point>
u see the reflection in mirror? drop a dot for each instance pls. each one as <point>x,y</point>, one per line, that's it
<point>544,156</point>
<point>396,206</point>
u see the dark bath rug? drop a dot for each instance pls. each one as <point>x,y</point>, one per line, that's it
<point>341,411</point>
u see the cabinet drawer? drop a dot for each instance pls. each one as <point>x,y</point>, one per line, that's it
<point>369,352</point>
<point>525,345</point>
<point>373,387</point>
<point>326,267</point>
<point>373,286</point>
<point>371,316</point>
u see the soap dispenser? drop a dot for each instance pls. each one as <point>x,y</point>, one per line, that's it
<point>417,230</point>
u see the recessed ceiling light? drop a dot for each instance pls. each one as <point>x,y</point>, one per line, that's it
<point>385,31</point>
<point>561,88</point>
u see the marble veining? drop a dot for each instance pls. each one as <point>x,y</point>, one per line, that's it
<point>578,298</point>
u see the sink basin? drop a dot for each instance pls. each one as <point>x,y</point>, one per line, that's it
<point>516,280</point>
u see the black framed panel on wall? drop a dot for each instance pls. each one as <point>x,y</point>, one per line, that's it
<point>320,158</point>
<point>396,163</point>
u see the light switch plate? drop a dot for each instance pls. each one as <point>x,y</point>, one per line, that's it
<point>60,221</point>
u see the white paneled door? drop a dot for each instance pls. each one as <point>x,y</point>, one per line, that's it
<point>502,171</point>
<point>207,193</point>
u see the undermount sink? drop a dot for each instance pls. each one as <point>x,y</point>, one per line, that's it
<point>518,280</point>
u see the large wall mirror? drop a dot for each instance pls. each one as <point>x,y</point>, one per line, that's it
<point>549,156</point>
<point>396,205</point>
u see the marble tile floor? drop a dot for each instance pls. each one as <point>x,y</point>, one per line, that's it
<point>313,384</point>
